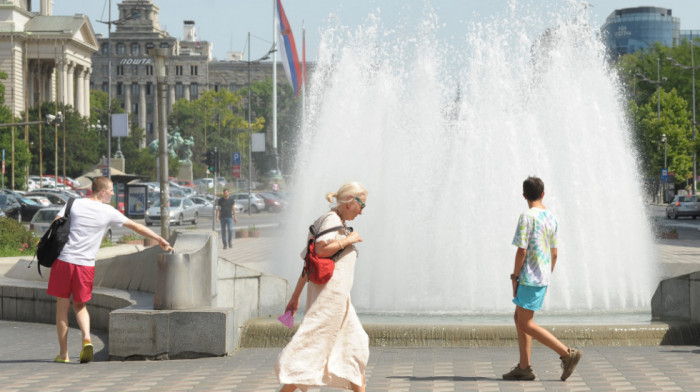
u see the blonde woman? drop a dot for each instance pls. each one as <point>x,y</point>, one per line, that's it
<point>330,348</point>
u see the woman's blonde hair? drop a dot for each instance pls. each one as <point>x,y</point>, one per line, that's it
<point>348,189</point>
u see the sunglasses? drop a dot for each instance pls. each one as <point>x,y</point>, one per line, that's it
<point>362,205</point>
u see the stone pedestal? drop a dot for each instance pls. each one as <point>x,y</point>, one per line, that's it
<point>185,172</point>
<point>119,164</point>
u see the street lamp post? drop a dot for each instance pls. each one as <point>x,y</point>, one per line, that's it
<point>692,68</point>
<point>665,179</point>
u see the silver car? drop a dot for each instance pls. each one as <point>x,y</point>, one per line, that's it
<point>44,217</point>
<point>257,204</point>
<point>683,206</point>
<point>180,210</point>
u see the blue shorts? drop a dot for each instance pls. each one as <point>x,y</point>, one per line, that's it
<point>530,297</point>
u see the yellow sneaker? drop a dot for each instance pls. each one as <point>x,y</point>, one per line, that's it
<point>61,360</point>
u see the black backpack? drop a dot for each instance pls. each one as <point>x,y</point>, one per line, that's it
<point>54,239</point>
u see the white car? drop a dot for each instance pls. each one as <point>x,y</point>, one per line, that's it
<point>31,185</point>
<point>41,200</point>
<point>180,210</point>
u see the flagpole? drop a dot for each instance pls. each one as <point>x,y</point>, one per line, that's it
<point>303,73</point>
<point>274,85</point>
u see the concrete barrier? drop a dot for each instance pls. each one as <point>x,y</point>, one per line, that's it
<point>122,304</point>
<point>677,299</point>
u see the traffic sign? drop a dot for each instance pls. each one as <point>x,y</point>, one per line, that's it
<point>664,175</point>
<point>236,171</point>
<point>236,158</point>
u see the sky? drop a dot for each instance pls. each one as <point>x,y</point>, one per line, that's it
<point>226,23</point>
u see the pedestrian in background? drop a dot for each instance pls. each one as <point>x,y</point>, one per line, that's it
<point>536,239</point>
<point>226,213</point>
<point>330,348</point>
<point>73,272</point>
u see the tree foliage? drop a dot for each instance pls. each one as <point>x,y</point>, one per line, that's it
<point>213,120</point>
<point>643,72</point>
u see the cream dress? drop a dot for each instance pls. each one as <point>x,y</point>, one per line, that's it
<point>330,348</point>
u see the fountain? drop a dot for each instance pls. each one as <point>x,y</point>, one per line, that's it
<point>443,139</point>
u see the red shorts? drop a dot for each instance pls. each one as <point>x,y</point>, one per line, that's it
<point>67,279</point>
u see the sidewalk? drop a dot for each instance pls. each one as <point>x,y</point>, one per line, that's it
<point>27,351</point>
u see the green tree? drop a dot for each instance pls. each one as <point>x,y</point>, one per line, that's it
<point>641,72</point>
<point>83,148</point>
<point>21,154</point>
<point>674,122</point>
<point>288,119</point>
<point>213,120</point>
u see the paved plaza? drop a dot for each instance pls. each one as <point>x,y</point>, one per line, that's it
<point>28,349</point>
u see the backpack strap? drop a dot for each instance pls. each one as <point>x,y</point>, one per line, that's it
<point>312,229</point>
<point>68,206</point>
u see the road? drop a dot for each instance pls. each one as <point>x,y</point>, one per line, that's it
<point>262,220</point>
<point>658,215</point>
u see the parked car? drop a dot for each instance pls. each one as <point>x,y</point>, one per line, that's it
<point>28,207</point>
<point>185,183</point>
<point>42,220</point>
<point>257,204</point>
<point>221,182</point>
<point>204,207</point>
<point>56,198</point>
<point>41,200</point>
<point>180,210</point>
<point>273,203</point>
<point>683,206</point>
<point>208,182</point>
<point>10,206</point>
<point>84,192</point>
<point>31,185</point>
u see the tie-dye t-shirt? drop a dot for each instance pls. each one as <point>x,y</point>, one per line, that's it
<point>536,232</point>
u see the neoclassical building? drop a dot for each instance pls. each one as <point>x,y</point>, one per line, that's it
<point>190,69</point>
<point>46,57</point>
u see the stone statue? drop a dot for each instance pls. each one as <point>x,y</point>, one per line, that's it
<point>188,144</point>
<point>175,142</point>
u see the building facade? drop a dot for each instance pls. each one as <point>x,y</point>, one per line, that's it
<point>190,69</point>
<point>631,29</point>
<point>46,57</point>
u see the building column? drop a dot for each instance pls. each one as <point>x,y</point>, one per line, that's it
<point>156,120</point>
<point>86,91</point>
<point>171,96</point>
<point>127,100</point>
<point>79,92</point>
<point>61,93</point>
<point>51,82</point>
<point>30,85</point>
<point>70,95</point>
<point>186,89</point>
<point>142,106</point>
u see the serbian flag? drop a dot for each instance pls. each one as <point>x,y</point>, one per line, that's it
<point>288,50</point>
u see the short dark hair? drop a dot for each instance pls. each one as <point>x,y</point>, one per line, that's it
<point>533,187</point>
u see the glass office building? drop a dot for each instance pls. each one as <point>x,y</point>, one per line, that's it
<point>631,29</point>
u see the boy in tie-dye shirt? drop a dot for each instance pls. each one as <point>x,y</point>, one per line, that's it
<point>536,239</point>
